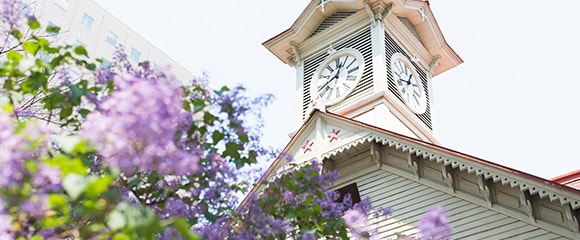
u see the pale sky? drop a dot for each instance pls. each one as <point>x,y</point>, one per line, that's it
<point>514,101</point>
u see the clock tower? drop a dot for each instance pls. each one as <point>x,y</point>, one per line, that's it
<point>368,60</point>
<point>364,71</point>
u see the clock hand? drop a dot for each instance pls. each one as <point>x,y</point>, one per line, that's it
<point>325,84</point>
<point>408,82</point>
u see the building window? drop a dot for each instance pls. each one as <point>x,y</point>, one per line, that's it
<point>73,75</point>
<point>105,64</point>
<point>87,21</point>
<point>112,38</point>
<point>79,43</point>
<point>63,4</point>
<point>45,57</point>
<point>25,9</point>
<point>52,34</point>
<point>135,55</point>
<point>351,190</point>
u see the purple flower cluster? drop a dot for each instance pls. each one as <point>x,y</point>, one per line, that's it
<point>5,223</point>
<point>434,224</point>
<point>25,180</point>
<point>357,222</point>
<point>135,128</point>
<point>9,13</point>
<point>20,145</point>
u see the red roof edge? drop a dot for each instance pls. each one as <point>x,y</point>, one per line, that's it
<point>572,186</point>
<point>571,179</point>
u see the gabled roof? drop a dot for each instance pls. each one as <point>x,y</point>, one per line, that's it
<point>357,133</point>
<point>285,45</point>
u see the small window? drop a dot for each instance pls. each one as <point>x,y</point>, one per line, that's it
<point>105,64</point>
<point>79,43</point>
<point>73,75</point>
<point>63,4</point>
<point>135,55</point>
<point>112,38</point>
<point>351,189</point>
<point>51,24</point>
<point>45,57</point>
<point>87,21</point>
<point>24,9</point>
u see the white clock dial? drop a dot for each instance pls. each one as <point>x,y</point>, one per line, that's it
<point>337,77</point>
<point>408,83</point>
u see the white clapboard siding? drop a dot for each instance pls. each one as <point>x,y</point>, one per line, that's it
<point>411,199</point>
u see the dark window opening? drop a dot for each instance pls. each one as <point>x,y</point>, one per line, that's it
<point>351,189</point>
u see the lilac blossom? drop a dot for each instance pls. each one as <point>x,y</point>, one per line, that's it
<point>9,13</point>
<point>434,224</point>
<point>357,222</point>
<point>24,144</point>
<point>5,223</point>
<point>134,129</point>
<point>20,145</point>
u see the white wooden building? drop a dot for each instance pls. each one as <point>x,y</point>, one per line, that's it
<point>364,74</point>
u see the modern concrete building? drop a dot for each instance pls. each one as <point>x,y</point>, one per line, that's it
<point>88,24</point>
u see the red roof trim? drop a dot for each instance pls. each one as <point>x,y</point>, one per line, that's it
<point>571,179</point>
<point>459,154</point>
<point>270,169</point>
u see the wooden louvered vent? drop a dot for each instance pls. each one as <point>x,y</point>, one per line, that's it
<point>360,41</point>
<point>391,47</point>
<point>410,27</point>
<point>331,21</point>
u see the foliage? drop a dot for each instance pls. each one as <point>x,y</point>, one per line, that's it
<point>122,153</point>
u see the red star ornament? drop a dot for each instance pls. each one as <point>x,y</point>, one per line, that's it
<point>333,135</point>
<point>308,146</point>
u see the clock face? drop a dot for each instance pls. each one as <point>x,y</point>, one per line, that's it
<point>337,77</point>
<point>408,83</point>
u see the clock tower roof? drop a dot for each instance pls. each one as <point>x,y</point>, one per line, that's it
<point>286,45</point>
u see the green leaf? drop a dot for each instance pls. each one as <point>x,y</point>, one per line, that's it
<point>198,105</point>
<point>31,47</point>
<point>17,34</point>
<point>98,186</point>
<point>182,227</point>
<point>65,111</point>
<point>52,29</point>
<point>186,106</point>
<point>56,201</point>
<point>232,149</point>
<point>84,112</point>
<point>75,184</point>
<point>221,91</point>
<point>80,50</point>
<point>121,236</point>
<point>44,44</point>
<point>217,136</point>
<point>14,56</point>
<point>33,23</point>
<point>77,93</point>
<point>140,219</point>
<point>209,118</point>
<point>91,66</point>
<point>67,142</point>
<point>244,138</point>
<point>73,166</point>
<point>53,100</point>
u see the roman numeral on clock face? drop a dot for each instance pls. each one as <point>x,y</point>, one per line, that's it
<point>338,76</point>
